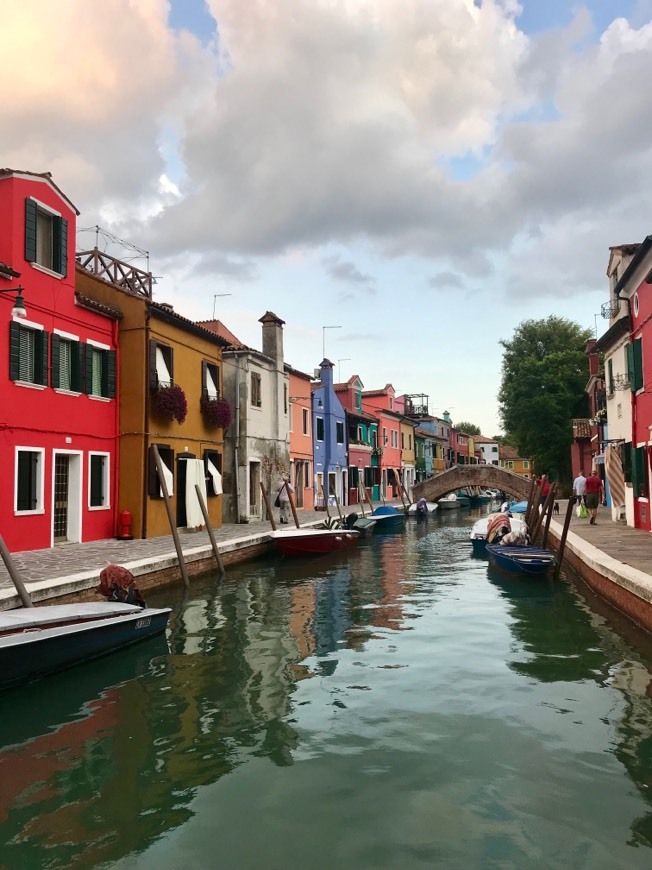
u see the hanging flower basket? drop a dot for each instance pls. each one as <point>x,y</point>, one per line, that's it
<point>217,412</point>
<point>170,403</point>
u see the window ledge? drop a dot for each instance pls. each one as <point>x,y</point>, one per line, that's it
<point>30,386</point>
<point>99,398</point>
<point>63,392</point>
<point>99,507</point>
<point>37,512</point>
<point>47,271</point>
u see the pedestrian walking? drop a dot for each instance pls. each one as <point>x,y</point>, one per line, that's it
<point>594,492</point>
<point>282,502</point>
<point>579,485</point>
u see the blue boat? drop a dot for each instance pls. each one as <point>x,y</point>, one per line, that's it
<point>521,560</point>
<point>517,507</point>
<point>387,517</point>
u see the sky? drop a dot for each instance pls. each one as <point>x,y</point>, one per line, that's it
<point>419,176</point>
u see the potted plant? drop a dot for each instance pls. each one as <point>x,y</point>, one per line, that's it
<point>170,403</point>
<point>217,412</point>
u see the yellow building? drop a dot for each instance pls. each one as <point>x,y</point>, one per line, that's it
<point>163,356</point>
<point>408,452</point>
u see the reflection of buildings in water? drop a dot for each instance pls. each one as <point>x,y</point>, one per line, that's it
<point>332,618</point>
<point>302,615</point>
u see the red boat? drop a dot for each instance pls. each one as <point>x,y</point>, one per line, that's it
<point>313,542</point>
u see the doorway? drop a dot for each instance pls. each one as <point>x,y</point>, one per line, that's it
<point>66,497</point>
<point>254,489</point>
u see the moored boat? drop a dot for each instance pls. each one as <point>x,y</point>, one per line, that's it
<point>36,641</point>
<point>525,560</point>
<point>449,502</point>
<point>431,507</point>
<point>313,542</point>
<point>478,533</point>
<point>387,517</point>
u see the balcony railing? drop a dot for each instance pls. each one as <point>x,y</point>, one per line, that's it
<point>610,309</point>
<point>116,272</point>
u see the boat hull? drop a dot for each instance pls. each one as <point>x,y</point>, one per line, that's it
<point>28,655</point>
<point>524,561</point>
<point>314,542</point>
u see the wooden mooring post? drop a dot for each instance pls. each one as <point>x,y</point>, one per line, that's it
<point>546,506</point>
<point>21,589</point>
<point>292,505</point>
<point>168,508</point>
<point>209,529</point>
<point>530,500</point>
<point>564,534</point>
<point>268,507</point>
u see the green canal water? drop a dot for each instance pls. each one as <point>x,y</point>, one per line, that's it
<point>403,706</point>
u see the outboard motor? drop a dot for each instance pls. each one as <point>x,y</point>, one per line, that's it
<point>349,520</point>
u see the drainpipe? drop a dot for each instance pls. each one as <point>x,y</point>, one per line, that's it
<point>117,440</point>
<point>236,445</point>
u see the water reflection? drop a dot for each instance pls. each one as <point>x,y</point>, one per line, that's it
<point>101,762</point>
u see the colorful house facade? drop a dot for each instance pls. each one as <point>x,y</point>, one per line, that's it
<point>382,404</point>
<point>58,380</point>
<point>329,441</point>
<point>362,442</point>
<point>301,446</point>
<point>171,369</point>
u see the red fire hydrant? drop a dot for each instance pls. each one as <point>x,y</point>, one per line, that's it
<point>125,527</point>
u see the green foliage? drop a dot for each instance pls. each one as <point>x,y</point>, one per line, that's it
<point>544,373</point>
<point>468,428</point>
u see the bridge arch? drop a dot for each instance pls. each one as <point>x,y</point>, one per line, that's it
<point>460,476</point>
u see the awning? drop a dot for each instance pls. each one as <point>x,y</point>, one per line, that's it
<point>615,476</point>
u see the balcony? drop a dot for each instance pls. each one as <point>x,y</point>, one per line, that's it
<point>116,272</point>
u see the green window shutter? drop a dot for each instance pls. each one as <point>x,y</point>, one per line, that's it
<point>110,374</point>
<point>637,354</point>
<point>41,366</point>
<point>153,376</point>
<point>60,245</point>
<point>610,376</point>
<point>630,367</point>
<point>55,360</point>
<point>14,351</point>
<point>26,493</point>
<point>88,369</point>
<point>76,364</point>
<point>639,477</point>
<point>30,230</point>
<point>97,480</point>
<point>204,370</point>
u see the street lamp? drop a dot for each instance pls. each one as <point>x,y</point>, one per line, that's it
<point>19,309</point>
<point>339,372</point>
<point>215,295</point>
<point>323,333</point>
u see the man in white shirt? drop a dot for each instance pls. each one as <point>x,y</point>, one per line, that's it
<point>579,485</point>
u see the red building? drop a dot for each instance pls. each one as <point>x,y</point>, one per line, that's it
<point>59,417</point>
<point>382,404</point>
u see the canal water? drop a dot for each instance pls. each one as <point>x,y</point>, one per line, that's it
<point>400,706</point>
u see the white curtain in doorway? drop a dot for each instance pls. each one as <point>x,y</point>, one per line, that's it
<point>194,475</point>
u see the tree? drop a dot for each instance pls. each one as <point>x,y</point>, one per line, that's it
<point>468,428</point>
<point>544,373</point>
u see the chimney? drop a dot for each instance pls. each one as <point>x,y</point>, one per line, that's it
<point>273,337</point>
<point>593,356</point>
<point>326,373</point>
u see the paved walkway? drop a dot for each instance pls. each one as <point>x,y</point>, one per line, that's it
<point>67,568</point>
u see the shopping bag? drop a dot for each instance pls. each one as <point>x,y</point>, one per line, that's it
<point>277,503</point>
<point>581,511</point>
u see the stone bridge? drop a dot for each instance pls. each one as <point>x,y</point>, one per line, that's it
<point>484,476</point>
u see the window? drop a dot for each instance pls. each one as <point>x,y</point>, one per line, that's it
<point>320,428</point>
<point>46,237</point>
<point>98,480</point>
<point>391,403</point>
<point>638,471</point>
<point>358,400</point>
<point>635,365</point>
<point>100,371</point>
<point>402,440</point>
<point>339,431</point>
<point>167,460</point>
<point>29,481</point>
<point>161,365</point>
<point>394,435</point>
<point>66,363</point>
<point>494,449</point>
<point>256,391</point>
<point>359,435</point>
<point>210,380</point>
<point>28,353</point>
<point>526,464</point>
<point>304,421</point>
<point>384,435</point>
<point>213,465</point>
<point>510,464</point>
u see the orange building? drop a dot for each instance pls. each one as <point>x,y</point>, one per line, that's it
<point>301,447</point>
<point>511,461</point>
<point>164,359</point>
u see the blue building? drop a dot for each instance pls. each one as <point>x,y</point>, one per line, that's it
<point>329,439</point>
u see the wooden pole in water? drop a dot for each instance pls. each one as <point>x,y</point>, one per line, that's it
<point>337,505</point>
<point>270,512</point>
<point>168,508</point>
<point>21,589</point>
<point>361,495</point>
<point>537,526</point>
<point>530,500</point>
<point>562,543</point>
<point>209,529</point>
<point>535,512</point>
<point>292,507</point>
<point>549,517</point>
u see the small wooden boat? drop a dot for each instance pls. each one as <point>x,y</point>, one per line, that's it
<point>478,533</point>
<point>521,560</point>
<point>35,641</point>
<point>412,513</point>
<point>313,542</point>
<point>387,517</point>
<point>449,502</point>
<point>364,525</point>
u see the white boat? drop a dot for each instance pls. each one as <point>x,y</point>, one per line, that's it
<point>478,534</point>
<point>431,507</point>
<point>35,641</point>
<point>449,502</point>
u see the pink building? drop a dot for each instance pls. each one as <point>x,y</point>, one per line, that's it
<point>301,446</point>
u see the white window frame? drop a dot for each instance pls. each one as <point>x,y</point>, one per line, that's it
<point>106,480</point>
<point>40,483</point>
<point>53,213</point>
<point>305,421</point>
